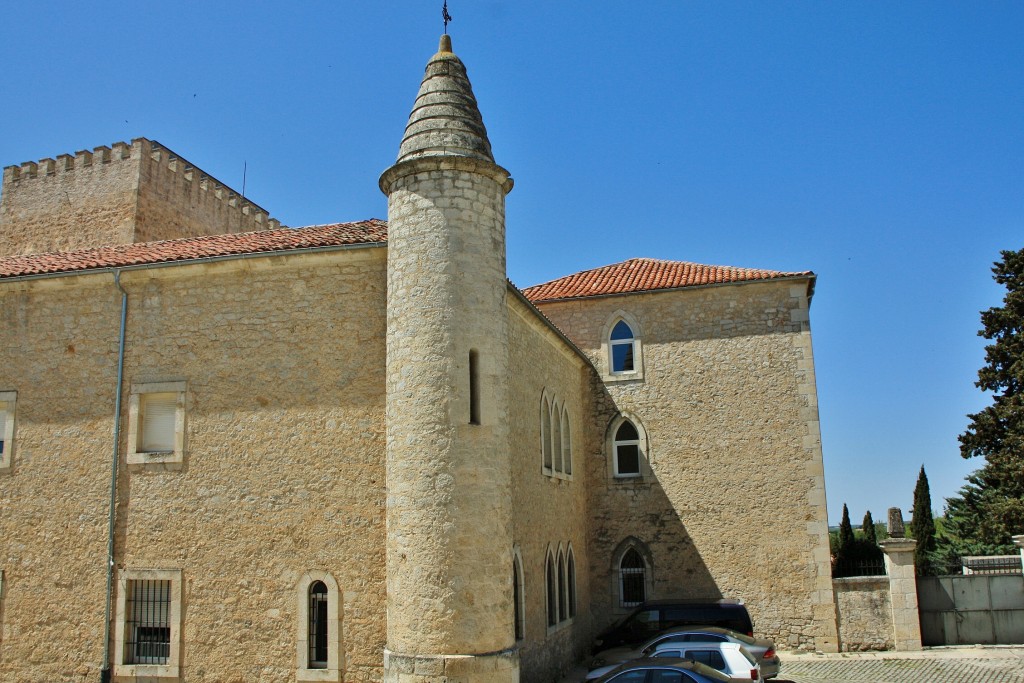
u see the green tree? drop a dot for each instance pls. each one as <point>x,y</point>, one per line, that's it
<point>922,526</point>
<point>845,535</point>
<point>867,527</point>
<point>989,509</point>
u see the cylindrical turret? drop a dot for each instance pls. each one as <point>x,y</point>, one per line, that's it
<point>449,536</point>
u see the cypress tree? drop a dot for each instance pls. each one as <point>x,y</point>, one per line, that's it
<point>845,535</point>
<point>868,527</point>
<point>922,525</point>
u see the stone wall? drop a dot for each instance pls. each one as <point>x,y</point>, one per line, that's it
<point>283,472</point>
<point>548,510</point>
<point>732,502</point>
<point>864,611</point>
<point>120,194</point>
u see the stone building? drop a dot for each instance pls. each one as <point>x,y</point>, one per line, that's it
<point>356,452</point>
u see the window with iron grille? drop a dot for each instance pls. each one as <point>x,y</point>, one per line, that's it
<point>632,579</point>
<point>317,625</point>
<point>147,622</point>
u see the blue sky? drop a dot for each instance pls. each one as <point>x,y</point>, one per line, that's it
<point>879,144</point>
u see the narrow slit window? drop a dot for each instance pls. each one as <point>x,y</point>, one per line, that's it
<point>474,387</point>
<point>317,625</point>
<point>563,594</point>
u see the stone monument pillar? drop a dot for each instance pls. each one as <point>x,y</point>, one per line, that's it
<point>449,509</point>
<point>899,565</point>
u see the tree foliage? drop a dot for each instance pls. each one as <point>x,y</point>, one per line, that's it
<point>922,526</point>
<point>989,509</point>
<point>868,529</point>
<point>852,556</point>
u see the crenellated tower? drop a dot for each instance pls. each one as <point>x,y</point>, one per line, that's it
<point>449,536</point>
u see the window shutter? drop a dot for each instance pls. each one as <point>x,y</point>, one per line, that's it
<point>159,412</point>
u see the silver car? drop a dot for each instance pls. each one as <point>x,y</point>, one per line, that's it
<point>762,649</point>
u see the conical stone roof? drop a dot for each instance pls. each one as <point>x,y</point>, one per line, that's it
<point>445,119</point>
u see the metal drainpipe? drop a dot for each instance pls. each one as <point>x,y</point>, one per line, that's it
<point>105,671</point>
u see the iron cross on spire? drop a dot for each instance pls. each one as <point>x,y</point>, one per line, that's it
<point>445,16</point>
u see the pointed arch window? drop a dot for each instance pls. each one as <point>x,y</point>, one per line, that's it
<point>519,603</point>
<point>552,592</point>
<point>627,450</point>
<point>556,437</point>
<point>563,594</point>
<point>622,348</point>
<point>566,443</point>
<point>570,579</point>
<point>545,432</point>
<point>632,579</point>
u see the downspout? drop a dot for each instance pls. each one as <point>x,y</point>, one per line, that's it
<point>105,671</point>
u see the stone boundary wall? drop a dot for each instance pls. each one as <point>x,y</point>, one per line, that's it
<point>864,613</point>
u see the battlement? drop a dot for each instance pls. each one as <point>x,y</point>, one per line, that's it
<point>136,191</point>
<point>148,151</point>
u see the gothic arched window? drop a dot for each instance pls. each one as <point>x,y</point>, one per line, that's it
<point>632,579</point>
<point>622,349</point>
<point>627,451</point>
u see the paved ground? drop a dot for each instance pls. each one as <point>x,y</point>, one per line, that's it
<point>934,665</point>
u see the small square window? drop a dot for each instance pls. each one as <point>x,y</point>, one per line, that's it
<point>156,425</point>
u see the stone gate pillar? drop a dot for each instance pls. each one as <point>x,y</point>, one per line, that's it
<point>899,565</point>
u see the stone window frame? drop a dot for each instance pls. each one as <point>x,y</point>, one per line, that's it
<point>171,670</point>
<point>335,659</point>
<point>555,436</point>
<point>556,585</point>
<point>646,466</point>
<point>156,460</point>
<point>627,544</point>
<point>637,373</point>
<point>518,595</point>
<point>8,406</point>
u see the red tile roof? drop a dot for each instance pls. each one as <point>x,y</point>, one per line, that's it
<point>645,275</point>
<point>122,255</point>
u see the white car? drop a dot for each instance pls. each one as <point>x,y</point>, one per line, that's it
<point>732,659</point>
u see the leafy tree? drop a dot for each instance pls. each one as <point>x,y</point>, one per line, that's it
<point>868,529</point>
<point>922,526</point>
<point>989,509</point>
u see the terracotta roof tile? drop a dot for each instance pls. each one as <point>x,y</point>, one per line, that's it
<point>644,275</point>
<point>122,255</point>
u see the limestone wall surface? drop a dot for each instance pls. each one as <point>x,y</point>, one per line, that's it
<point>864,610</point>
<point>283,472</point>
<point>732,500</point>
<point>549,510</point>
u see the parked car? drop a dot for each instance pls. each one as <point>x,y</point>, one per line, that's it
<point>732,659</point>
<point>655,616</point>
<point>663,671</point>
<point>762,649</point>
